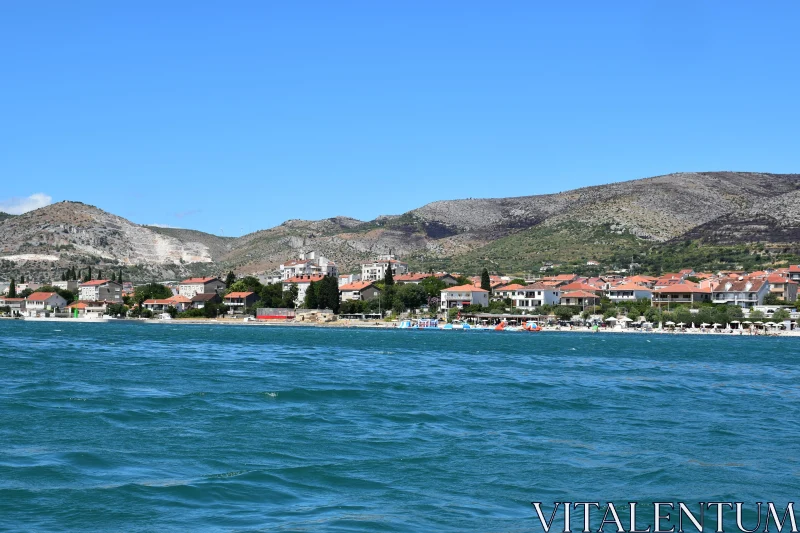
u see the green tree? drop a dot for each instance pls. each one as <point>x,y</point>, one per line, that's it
<point>290,296</point>
<point>22,279</point>
<point>113,276</point>
<point>412,296</point>
<point>772,299</point>
<point>88,275</point>
<point>99,274</point>
<point>230,279</point>
<point>780,315</point>
<point>756,315</point>
<point>388,279</point>
<point>246,284</point>
<point>63,276</point>
<point>486,281</point>
<point>517,281</point>
<point>117,309</point>
<point>565,312</point>
<point>119,278</point>
<point>311,300</point>
<point>151,291</point>
<point>172,311</point>
<point>12,289</point>
<point>433,286</point>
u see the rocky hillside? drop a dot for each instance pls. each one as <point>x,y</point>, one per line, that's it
<point>71,233</point>
<point>506,234</point>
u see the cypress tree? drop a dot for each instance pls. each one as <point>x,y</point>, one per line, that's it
<point>113,276</point>
<point>119,278</point>
<point>22,279</point>
<point>230,279</point>
<point>312,302</point>
<point>12,289</point>
<point>389,278</point>
<point>63,276</point>
<point>99,274</point>
<point>486,282</point>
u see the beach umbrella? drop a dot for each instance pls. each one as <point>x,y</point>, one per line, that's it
<point>757,322</point>
<point>704,325</point>
<point>715,325</point>
<point>771,324</point>
<point>746,322</point>
<point>680,324</point>
<point>670,323</point>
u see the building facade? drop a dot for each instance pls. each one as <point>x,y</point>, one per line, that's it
<point>193,286</point>
<point>100,290</point>
<point>375,270</point>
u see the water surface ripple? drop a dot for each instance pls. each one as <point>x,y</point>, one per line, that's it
<point>131,427</point>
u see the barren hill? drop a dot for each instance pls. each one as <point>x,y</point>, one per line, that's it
<point>506,234</point>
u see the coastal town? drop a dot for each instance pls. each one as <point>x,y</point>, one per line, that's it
<point>309,288</point>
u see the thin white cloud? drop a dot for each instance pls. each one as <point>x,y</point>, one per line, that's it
<point>17,206</point>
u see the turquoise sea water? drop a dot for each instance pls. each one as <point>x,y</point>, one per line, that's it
<point>132,427</point>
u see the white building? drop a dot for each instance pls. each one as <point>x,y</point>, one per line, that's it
<point>308,264</point>
<point>303,283</point>
<point>71,285</point>
<point>462,296</point>
<point>100,290</point>
<point>375,270</point>
<point>744,293</point>
<point>536,295</point>
<point>347,279</point>
<point>628,292</point>
<point>40,302</point>
<point>193,286</point>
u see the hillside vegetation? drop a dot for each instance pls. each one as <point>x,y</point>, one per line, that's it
<point>699,220</point>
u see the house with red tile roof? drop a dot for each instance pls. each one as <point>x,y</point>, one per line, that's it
<point>101,290</point>
<point>782,287</point>
<point>794,272</point>
<point>579,298</point>
<point>628,293</point>
<point>535,295</point>
<point>40,303</point>
<point>461,296</point>
<point>308,264</point>
<point>578,286</point>
<point>686,293</point>
<point>192,286</point>
<point>359,290</point>
<point>742,292</point>
<point>375,270</point>
<point>411,277</point>
<point>239,301</point>
<point>303,283</point>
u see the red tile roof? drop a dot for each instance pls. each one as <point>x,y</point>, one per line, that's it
<point>578,286</point>
<point>305,278</point>
<point>412,276</point>
<point>629,287</point>
<point>41,296</point>
<point>356,286</point>
<point>794,268</point>
<point>512,287</point>
<point>238,295</point>
<point>580,294</point>
<point>683,287</point>
<point>95,282</point>
<point>198,280</point>
<point>464,288</point>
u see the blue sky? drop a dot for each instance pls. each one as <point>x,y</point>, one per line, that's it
<point>234,118</point>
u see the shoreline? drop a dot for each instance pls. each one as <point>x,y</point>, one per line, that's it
<point>393,325</point>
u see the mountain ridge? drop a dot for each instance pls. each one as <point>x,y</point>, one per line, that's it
<point>514,234</point>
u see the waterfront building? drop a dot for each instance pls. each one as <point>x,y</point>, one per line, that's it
<point>100,290</point>
<point>193,286</point>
